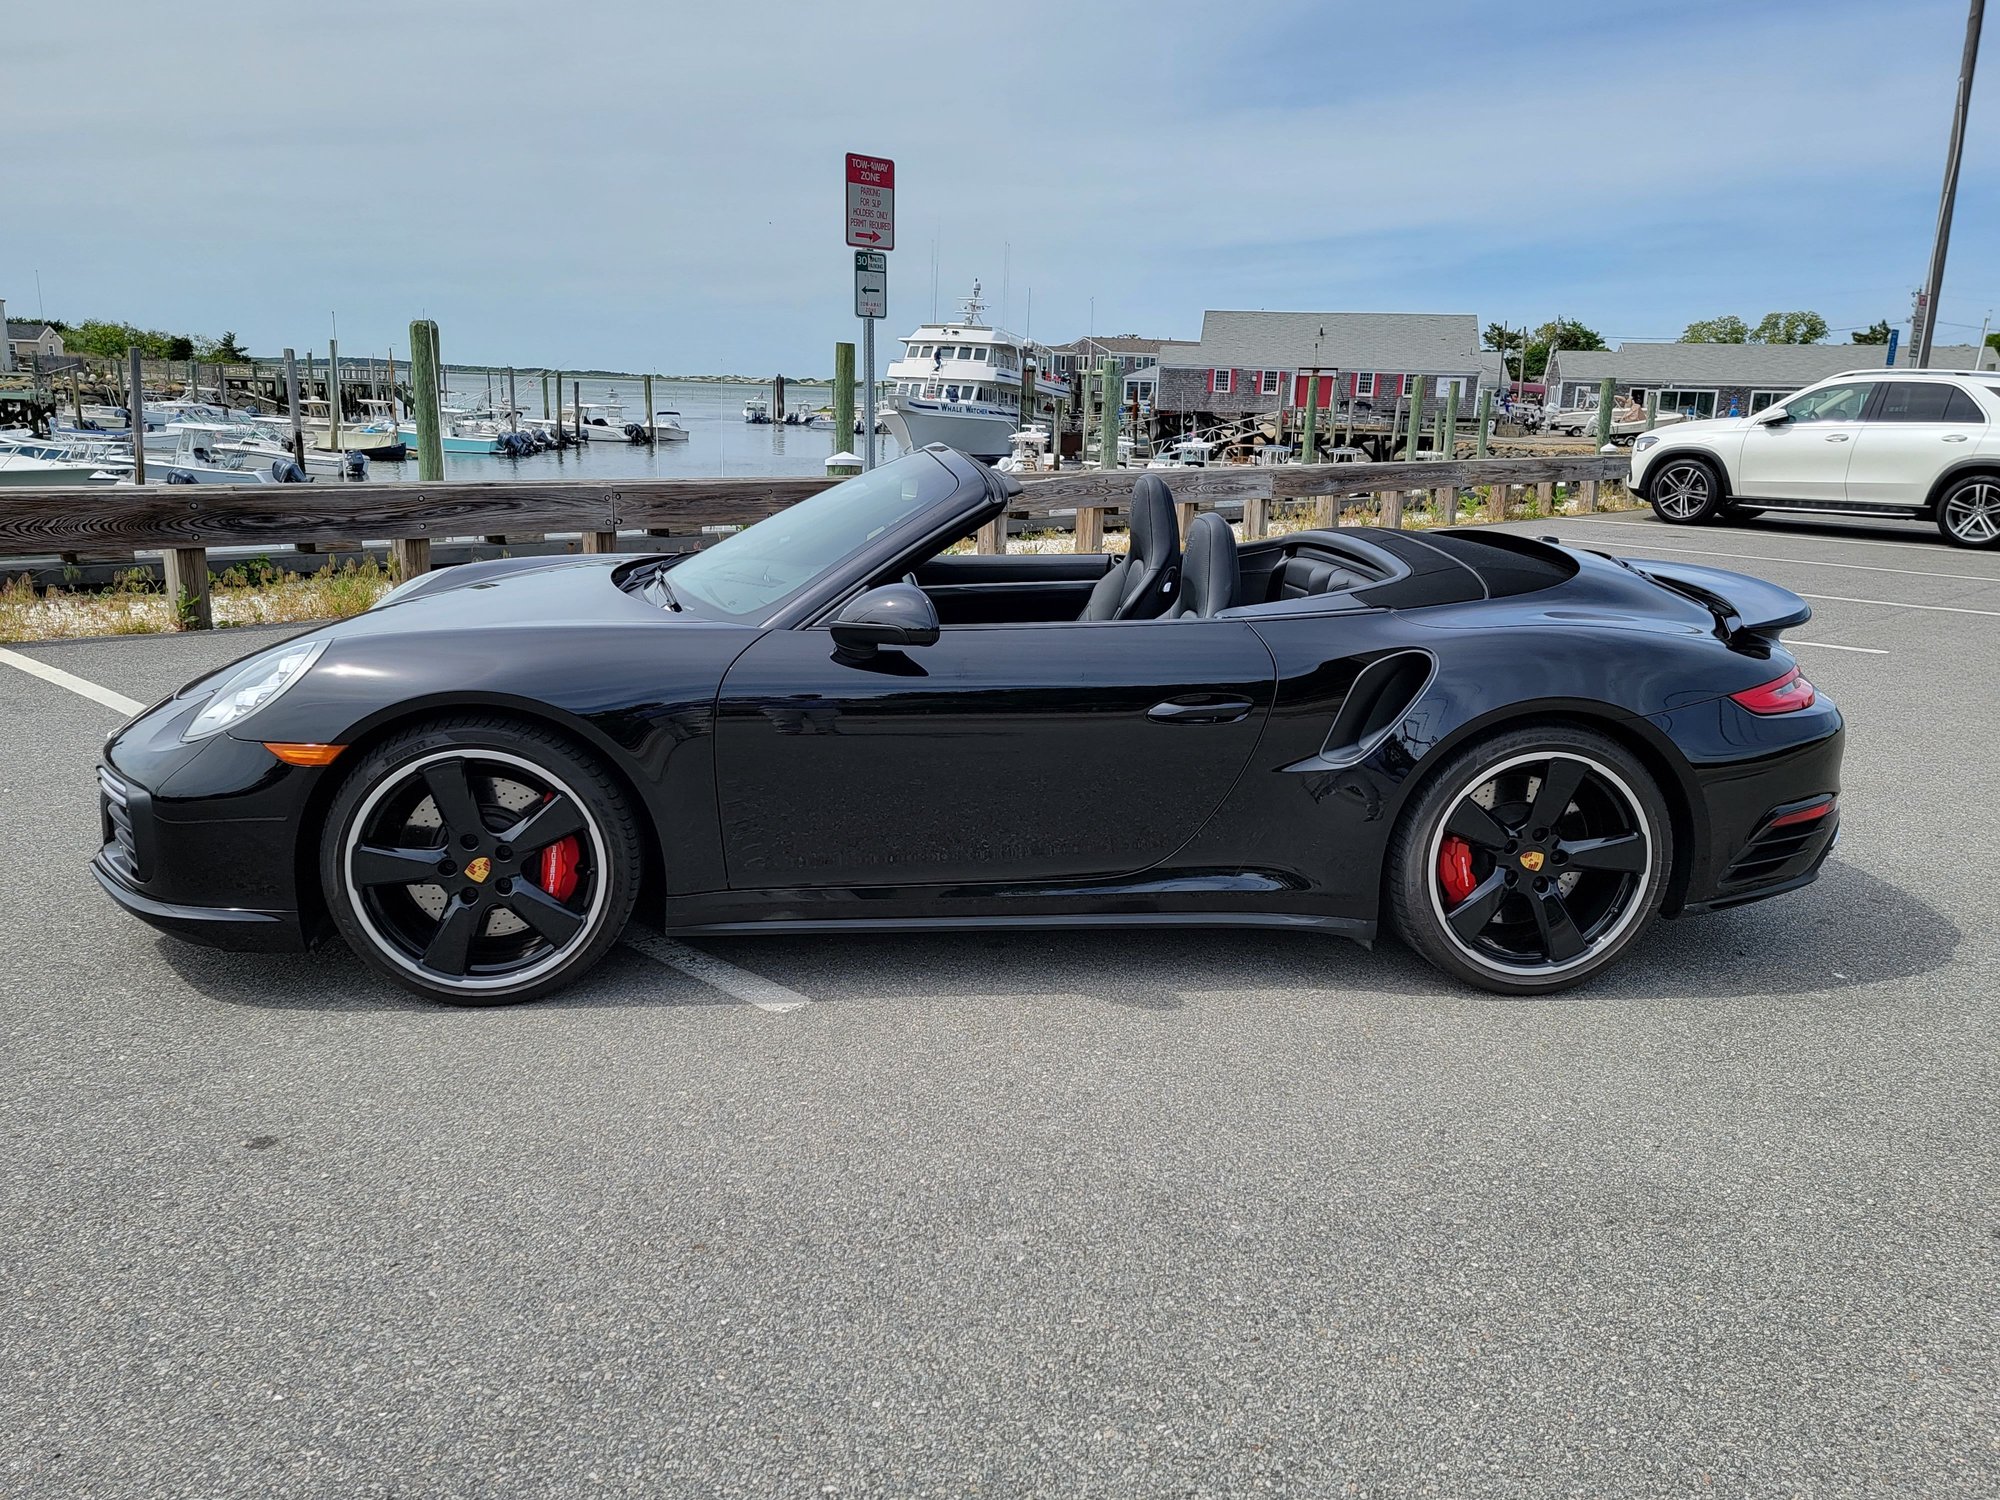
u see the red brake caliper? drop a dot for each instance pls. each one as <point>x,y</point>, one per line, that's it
<point>1455,868</point>
<point>558,865</point>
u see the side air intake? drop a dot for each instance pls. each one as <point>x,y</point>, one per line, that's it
<point>1384,692</point>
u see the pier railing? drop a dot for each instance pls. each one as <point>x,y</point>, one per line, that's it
<point>182,521</point>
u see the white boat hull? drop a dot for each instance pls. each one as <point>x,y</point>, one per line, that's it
<point>982,435</point>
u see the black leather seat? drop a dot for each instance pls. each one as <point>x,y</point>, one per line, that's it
<point>1300,576</point>
<point>1211,577</point>
<point>1141,586</point>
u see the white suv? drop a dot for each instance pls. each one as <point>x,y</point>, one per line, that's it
<point>1880,442</point>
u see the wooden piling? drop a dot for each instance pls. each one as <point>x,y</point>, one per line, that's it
<point>1449,448</point>
<point>186,576</point>
<point>1652,410</point>
<point>652,434</point>
<point>1415,441</point>
<point>1604,397</point>
<point>514,404</point>
<point>545,395</point>
<point>333,393</point>
<point>843,397</point>
<point>777,399</point>
<point>1107,426</point>
<point>1485,424</point>
<point>135,408</point>
<point>1309,442</point>
<point>424,396</point>
<point>576,404</point>
<point>292,406</point>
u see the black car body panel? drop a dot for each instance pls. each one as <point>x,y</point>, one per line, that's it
<point>1246,768</point>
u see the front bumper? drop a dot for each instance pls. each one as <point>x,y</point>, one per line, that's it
<point>201,839</point>
<point>233,927</point>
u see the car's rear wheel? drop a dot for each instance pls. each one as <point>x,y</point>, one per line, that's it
<point>479,861</point>
<point>1686,491</point>
<point>1532,860</point>
<point>1969,512</point>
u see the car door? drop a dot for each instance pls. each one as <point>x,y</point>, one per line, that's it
<point>999,753</point>
<point>1801,448</point>
<point>1916,431</point>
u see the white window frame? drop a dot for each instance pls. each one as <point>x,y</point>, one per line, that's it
<point>1267,382</point>
<point>1222,382</point>
<point>1364,385</point>
<point>1770,399</point>
<point>1409,386</point>
<point>1713,393</point>
<point>1446,383</point>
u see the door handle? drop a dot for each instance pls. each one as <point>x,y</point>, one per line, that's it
<point>1223,711</point>
<point>1954,437</point>
<point>1836,437</point>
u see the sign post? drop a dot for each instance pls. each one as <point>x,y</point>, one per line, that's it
<point>871,230</point>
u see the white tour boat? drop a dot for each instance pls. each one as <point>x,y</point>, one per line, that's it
<point>960,384</point>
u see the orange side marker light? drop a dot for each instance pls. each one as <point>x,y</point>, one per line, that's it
<point>303,755</point>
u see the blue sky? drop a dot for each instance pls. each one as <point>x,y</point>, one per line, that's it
<point>654,184</point>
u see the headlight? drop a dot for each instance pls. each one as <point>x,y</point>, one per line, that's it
<point>253,685</point>
<point>1645,441</point>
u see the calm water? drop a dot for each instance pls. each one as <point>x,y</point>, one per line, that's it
<point>720,443</point>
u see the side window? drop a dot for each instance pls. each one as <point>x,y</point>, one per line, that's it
<point>1915,401</point>
<point>1833,403</point>
<point>1959,407</point>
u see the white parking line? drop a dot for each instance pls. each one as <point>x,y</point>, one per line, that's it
<point>81,686</point>
<point>1784,533</point>
<point>1814,562</point>
<point>741,984</point>
<point>1829,646</point>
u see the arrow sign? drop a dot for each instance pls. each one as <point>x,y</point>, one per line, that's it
<point>871,201</point>
<point>871,284</point>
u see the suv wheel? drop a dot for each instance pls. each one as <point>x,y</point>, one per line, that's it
<point>1969,512</point>
<point>1686,491</point>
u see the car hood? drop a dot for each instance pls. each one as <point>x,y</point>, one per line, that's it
<point>542,593</point>
<point>1709,427</point>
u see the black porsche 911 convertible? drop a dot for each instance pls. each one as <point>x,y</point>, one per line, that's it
<point>1515,755</point>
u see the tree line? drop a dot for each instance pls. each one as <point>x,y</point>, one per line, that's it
<point>1802,327</point>
<point>108,340</point>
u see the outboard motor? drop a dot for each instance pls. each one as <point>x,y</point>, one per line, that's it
<point>287,471</point>
<point>636,431</point>
<point>181,476</point>
<point>354,465</point>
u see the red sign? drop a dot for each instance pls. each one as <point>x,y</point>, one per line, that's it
<point>871,202</point>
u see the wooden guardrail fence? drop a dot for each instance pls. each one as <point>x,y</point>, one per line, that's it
<point>183,521</point>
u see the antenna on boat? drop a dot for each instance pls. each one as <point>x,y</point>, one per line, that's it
<point>1006,278</point>
<point>934,264</point>
<point>974,308</point>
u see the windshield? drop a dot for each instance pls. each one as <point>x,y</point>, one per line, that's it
<point>749,575</point>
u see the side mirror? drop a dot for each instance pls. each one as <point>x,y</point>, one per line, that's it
<point>896,614</point>
<point>1774,416</point>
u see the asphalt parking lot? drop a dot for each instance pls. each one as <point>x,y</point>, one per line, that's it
<point>1102,1214</point>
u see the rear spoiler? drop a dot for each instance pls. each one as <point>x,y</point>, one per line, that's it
<point>1742,606</point>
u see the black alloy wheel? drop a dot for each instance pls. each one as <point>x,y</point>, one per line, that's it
<point>1685,491</point>
<point>479,862</point>
<point>1969,512</point>
<point>1532,860</point>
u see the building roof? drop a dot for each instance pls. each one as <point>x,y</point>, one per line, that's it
<point>1404,343</point>
<point>26,332</point>
<point>1124,343</point>
<point>1771,366</point>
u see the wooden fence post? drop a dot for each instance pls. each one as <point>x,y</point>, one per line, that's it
<point>186,573</point>
<point>1545,495</point>
<point>1256,518</point>
<point>1496,503</point>
<point>1325,517</point>
<point>993,536</point>
<point>1587,501</point>
<point>1184,514</point>
<point>409,557</point>
<point>600,541</point>
<point>1392,509</point>
<point>1090,528</point>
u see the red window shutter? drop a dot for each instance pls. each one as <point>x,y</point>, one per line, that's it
<point>1211,382</point>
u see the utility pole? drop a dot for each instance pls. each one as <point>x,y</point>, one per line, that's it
<point>1927,313</point>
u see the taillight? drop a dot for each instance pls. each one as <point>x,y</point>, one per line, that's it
<point>1787,695</point>
<point>1808,814</point>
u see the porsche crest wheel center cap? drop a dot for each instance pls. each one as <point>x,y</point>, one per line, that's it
<point>481,867</point>
<point>1532,861</point>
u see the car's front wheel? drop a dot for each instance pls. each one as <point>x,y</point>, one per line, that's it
<point>1969,512</point>
<point>1685,491</point>
<point>1532,860</point>
<point>479,861</point>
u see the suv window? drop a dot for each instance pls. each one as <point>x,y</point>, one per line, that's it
<point>1832,403</point>
<point>1926,401</point>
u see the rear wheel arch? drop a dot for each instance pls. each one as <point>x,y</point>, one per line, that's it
<point>1987,468</point>
<point>1646,744</point>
